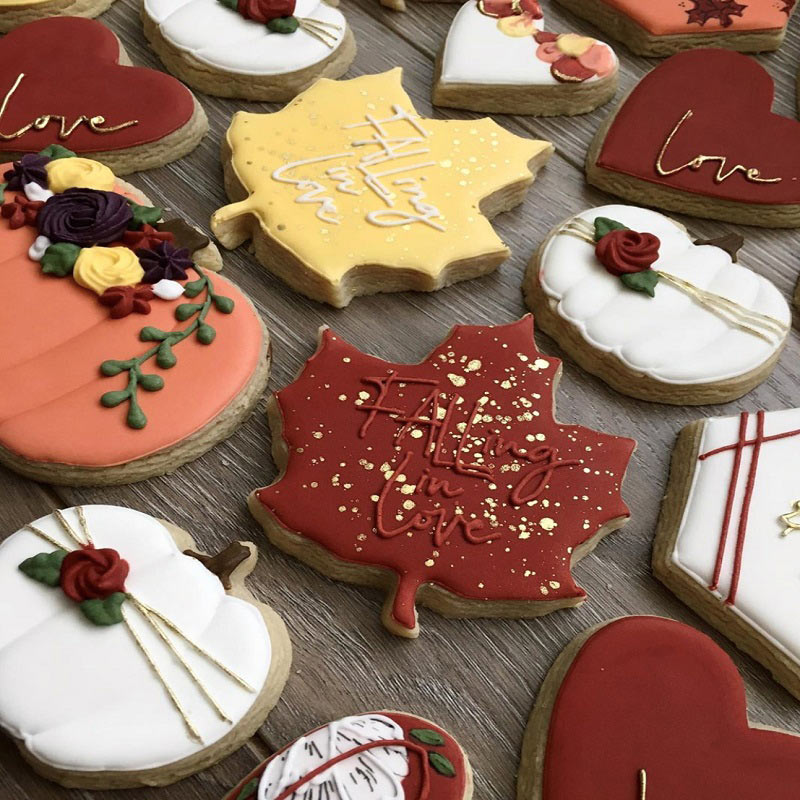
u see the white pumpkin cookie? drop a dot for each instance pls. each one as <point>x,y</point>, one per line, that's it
<point>498,58</point>
<point>728,539</point>
<point>124,660</point>
<point>634,300</point>
<point>253,49</point>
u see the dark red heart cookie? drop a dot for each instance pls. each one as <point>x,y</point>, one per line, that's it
<point>697,135</point>
<point>645,708</point>
<point>61,81</point>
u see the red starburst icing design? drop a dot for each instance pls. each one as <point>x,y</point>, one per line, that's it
<point>722,10</point>
<point>451,471</point>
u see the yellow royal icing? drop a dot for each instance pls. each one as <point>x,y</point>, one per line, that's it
<point>66,173</point>
<point>348,174</point>
<point>572,44</point>
<point>100,268</point>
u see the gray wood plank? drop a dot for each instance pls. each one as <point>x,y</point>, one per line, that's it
<point>477,678</point>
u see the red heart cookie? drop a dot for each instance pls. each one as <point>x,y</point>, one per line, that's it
<point>651,709</point>
<point>663,27</point>
<point>695,145</point>
<point>62,81</point>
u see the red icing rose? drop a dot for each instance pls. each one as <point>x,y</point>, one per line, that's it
<point>265,10</point>
<point>91,574</point>
<point>510,8</point>
<point>623,252</point>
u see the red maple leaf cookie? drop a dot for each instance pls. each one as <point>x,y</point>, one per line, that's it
<point>448,481</point>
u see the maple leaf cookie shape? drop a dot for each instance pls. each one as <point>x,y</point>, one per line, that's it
<point>349,191</point>
<point>447,482</point>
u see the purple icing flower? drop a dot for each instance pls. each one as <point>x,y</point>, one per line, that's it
<point>164,262</point>
<point>29,169</point>
<point>85,217</point>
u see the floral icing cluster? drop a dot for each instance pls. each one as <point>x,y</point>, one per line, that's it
<point>277,15</point>
<point>93,578</point>
<point>116,248</point>
<point>627,255</point>
<point>572,58</point>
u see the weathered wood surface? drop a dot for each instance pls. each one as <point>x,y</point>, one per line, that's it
<point>476,678</point>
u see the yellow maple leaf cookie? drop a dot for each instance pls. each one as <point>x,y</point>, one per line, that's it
<point>349,192</point>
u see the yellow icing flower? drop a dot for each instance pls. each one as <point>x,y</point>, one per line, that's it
<point>518,25</point>
<point>99,268</point>
<point>571,44</point>
<point>83,173</point>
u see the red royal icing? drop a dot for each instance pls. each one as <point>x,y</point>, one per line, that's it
<point>422,781</point>
<point>93,574</point>
<point>70,67</point>
<point>57,334</point>
<point>651,694</point>
<point>729,96</point>
<point>624,252</point>
<point>451,471</point>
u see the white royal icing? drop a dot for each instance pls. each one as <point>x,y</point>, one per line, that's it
<point>375,774</point>
<point>477,51</point>
<point>39,247</point>
<point>670,337</point>
<point>82,697</point>
<point>220,37</point>
<point>768,591</point>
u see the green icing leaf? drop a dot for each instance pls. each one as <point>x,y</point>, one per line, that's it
<point>186,310</point>
<point>193,288</point>
<point>151,383</point>
<point>249,789</point>
<point>604,225</point>
<point>283,25</point>
<point>233,4</point>
<point>104,612</point>
<point>224,304</point>
<point>205,334</point>
<point>427,736</point>
<point>135,418</point>
<point>644,281</point>
<point>44,567</point>
<point>142,215</point>
<point>165,358</point>
<point>59,259</point>
<point>3,187</point>
<point>111,367</point>
<point>151,334</point>
<point>442,765</point>
<point>113,399</point>
<point>55,151</point>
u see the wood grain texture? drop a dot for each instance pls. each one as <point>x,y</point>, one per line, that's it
<point>477,678</point>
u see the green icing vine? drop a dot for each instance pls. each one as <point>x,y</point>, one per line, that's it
<point>162,351</point>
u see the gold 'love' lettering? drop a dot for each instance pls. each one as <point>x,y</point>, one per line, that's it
<point>96,123</point>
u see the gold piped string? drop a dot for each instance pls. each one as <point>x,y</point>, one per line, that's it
<point>642,784</point>
<point>763,326</point>
<point>158,622</point>
<point>326,32</point>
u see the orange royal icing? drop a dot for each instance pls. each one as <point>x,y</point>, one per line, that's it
<point>664,17</point>
<point>56,334</point>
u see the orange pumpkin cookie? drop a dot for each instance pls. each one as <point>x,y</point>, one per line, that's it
<point>125,355</point>
<point>664,27</point>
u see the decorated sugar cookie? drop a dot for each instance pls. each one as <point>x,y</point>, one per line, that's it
<point>127,658</point>
<point>447,483</point>
<point>384,755</point>
<point>696,147</point>
<point>127,356</point>
<point>498,57</point>
<point>656,710</point>
<point>658,316</point>
<point>18,12</point>
<point>348,191</point>
<point>727,541</point>
<point>664,27</point>
<point>84,97</point>
<point>255,49</point>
